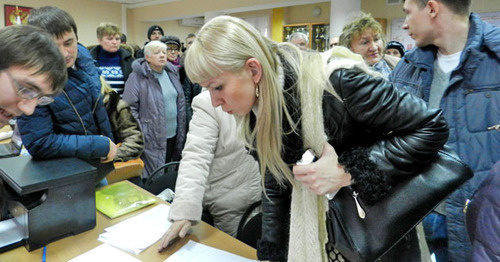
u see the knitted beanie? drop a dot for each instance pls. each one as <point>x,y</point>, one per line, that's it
<point>153,28</point>
<point>396,45</point>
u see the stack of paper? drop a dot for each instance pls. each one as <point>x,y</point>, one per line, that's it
<point>136,234</point>
<point>196,252</point>
<point>104,253</point>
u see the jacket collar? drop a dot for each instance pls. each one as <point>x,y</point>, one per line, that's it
<point>479,35</point>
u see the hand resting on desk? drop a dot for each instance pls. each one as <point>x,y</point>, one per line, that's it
<point>177,229</point>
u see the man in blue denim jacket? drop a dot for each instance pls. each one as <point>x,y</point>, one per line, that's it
<point>455,67</point>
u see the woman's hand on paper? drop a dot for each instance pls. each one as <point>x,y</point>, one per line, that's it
<point>325,175</point>
<point>177,229</point>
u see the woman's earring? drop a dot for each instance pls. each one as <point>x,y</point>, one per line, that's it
<point>257,90</point>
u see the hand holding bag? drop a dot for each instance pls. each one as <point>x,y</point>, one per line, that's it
<point>365,233</point>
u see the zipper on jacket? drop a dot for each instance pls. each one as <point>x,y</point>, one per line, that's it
<point>76,111</point>
<point>361,211</point>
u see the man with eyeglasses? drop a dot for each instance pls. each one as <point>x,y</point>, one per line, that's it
<point>32,70</point>
<point>76,123</point>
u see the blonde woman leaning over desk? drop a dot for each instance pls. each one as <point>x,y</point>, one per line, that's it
<point>215,173</point>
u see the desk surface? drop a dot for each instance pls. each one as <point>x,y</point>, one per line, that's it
<point>70,247</point>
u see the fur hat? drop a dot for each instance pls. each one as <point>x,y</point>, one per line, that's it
<point>153,28</point>
<point>171,40</point>
<point>396,45</point>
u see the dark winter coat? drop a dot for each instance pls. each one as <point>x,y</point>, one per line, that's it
<point>391,131</point>
<point>76,123</point>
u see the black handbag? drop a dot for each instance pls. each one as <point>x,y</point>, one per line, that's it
<point>365,233</point>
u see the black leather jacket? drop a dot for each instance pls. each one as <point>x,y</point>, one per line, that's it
<point>391,131</point>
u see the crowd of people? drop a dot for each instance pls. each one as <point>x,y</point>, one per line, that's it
<point>370,110</point>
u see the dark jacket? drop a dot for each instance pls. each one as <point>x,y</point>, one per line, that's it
<point>190,91</point>
<point>125,127</point>
<point>379,133</point>
<point>76,123</point>
<point>144,95</point>
<point>482,217</point>
<point>470,106</point>
<point>126,60</point>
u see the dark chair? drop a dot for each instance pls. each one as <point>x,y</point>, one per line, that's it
<point>162,178</point>
<point>250,226</point>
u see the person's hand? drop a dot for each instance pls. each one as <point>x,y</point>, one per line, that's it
<point>111,154</point>
<point>177,229</point>
<point>325,175</point>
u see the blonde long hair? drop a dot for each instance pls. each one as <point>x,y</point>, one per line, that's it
<point>224,44</point>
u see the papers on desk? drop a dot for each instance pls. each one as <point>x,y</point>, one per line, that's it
<point>5,135</point>
<point>136,234</point>
<point>11,232</point>
<point>104,253</point>
<point>196,252</point>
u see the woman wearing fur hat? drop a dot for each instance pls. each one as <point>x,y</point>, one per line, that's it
<point>366,133</point>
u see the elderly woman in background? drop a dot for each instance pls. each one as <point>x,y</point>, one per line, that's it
<point>300,39</point>
<point>155,95</point>
<point>115,63</point>
<point>173,49</point>
<point>364,36</point>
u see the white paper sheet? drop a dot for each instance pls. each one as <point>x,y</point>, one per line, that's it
<point>196,252</point>
<point>104,253</point>
<point>10,232</point>
<point>136,234</point>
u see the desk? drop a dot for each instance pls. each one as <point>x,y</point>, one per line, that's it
<point>70,247</point>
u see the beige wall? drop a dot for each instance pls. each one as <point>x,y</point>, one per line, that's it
<point>87,14</point>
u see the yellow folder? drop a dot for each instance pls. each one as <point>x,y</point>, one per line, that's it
<point>121,198</point>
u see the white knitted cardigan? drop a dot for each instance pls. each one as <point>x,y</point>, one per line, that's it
<point>308,235</point>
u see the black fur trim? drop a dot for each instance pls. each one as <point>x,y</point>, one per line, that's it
<point>271,251</point>
<point>369,181</point>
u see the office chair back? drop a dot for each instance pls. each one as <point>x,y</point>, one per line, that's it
<point>162,178</point>
<point>250,226</point>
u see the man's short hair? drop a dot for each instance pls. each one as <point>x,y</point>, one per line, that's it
<point>190,35</point>
<point>299,35</point>
<point>107,28</point>
<point>54,20</point>
<point>31,47</point>
<point>459,7</point>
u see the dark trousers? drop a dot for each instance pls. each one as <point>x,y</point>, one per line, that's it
<point>170,149</point>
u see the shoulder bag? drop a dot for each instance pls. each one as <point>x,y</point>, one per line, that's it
<point>365,233</point>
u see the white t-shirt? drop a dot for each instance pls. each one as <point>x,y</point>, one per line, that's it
<point>448,62</point>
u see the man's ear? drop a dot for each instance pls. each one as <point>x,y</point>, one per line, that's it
<point>255,68</point>
<point>434,8</point>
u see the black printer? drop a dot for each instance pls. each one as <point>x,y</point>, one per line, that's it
<point>49,199</point>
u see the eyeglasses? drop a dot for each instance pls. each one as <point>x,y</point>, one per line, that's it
<point>172,50</point>
<point>28,93</point>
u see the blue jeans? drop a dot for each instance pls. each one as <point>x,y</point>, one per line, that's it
<point>436,235</point>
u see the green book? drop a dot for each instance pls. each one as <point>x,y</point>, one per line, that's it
<point>121,198</point>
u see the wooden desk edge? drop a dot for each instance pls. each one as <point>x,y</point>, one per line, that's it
<point>72,246</point>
